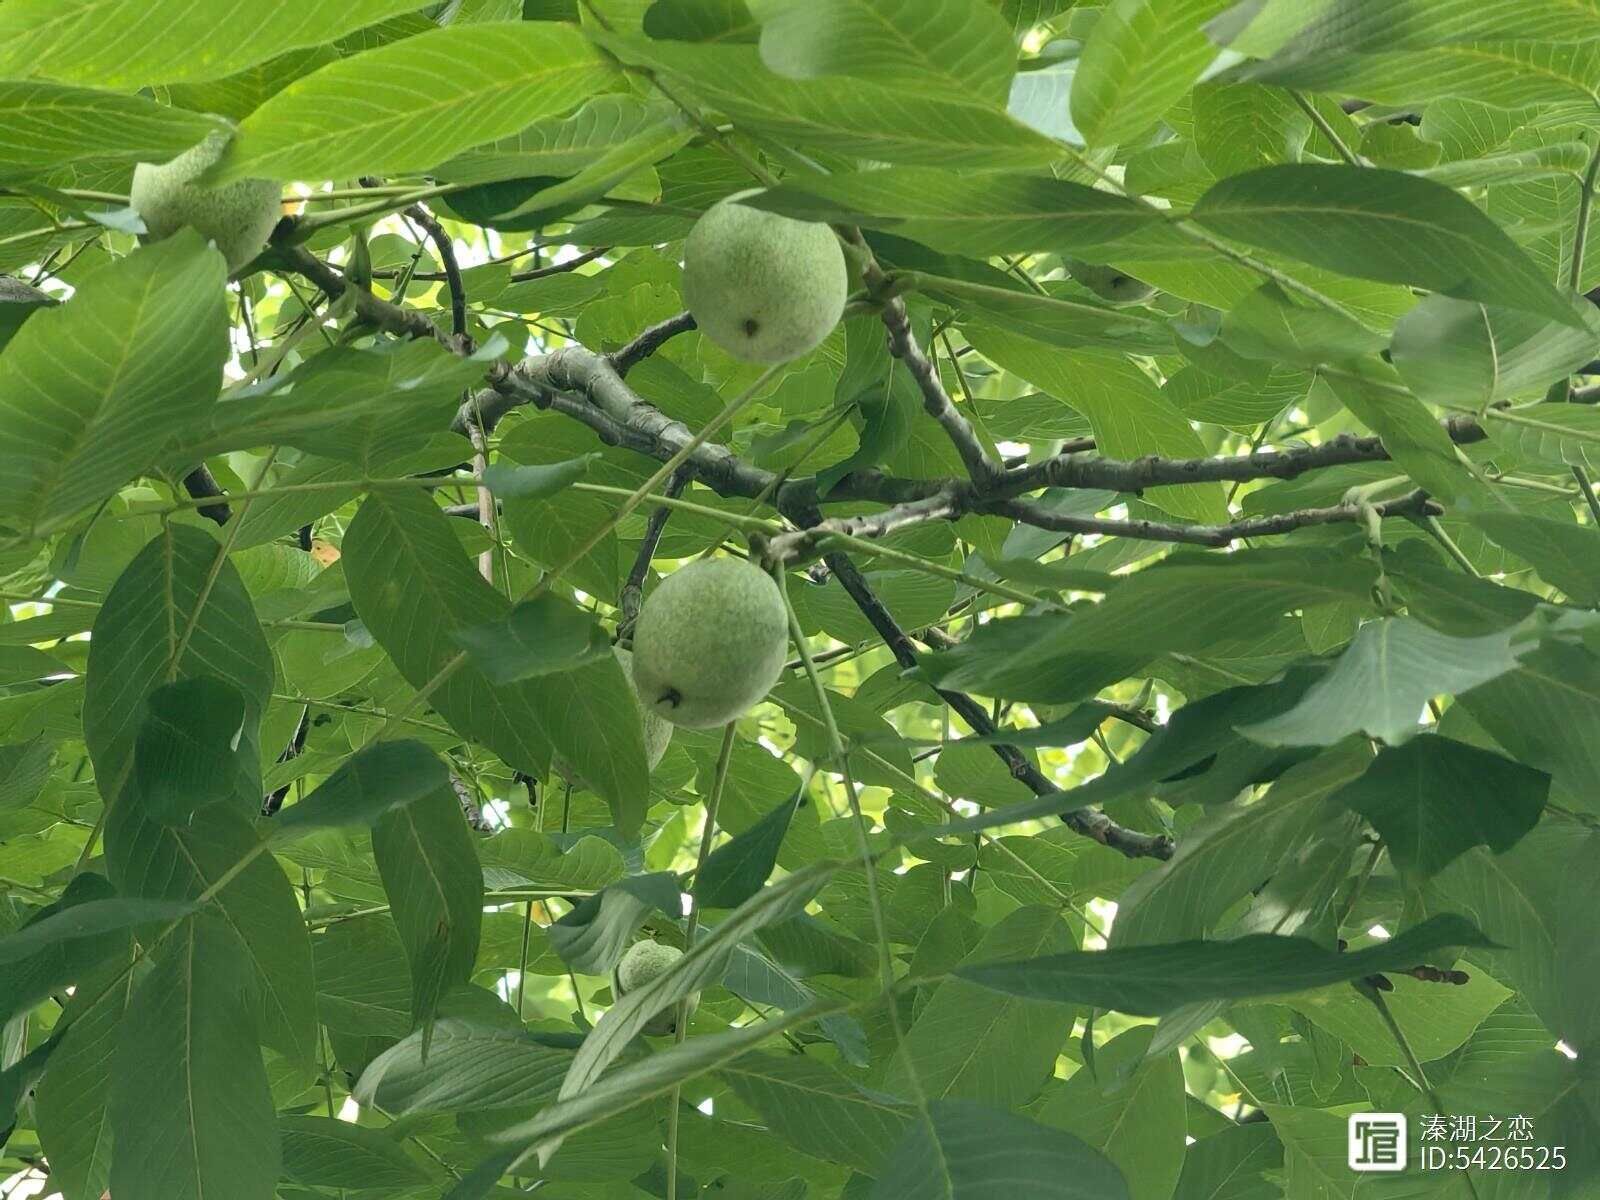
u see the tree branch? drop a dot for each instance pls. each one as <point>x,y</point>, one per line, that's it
<point>1089,823</point>
<point>649,341</point>
<point>1413,504</point>
<point>200,483</point>
<point>391,318</point>
<point>1133,476</point>
<point>452,271</point>
<point>982,469</point>
<point>633,589</point>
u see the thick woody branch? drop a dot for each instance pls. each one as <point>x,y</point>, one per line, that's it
<point>1088,471</point>
<point>586,386</point>
<point>945,505</point>
<point>1414,503</point>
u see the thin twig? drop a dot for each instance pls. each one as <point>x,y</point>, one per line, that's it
<point>633,589</point>
<point>452,271</point>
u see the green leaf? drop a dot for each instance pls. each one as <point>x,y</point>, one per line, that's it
<point>1505,73</point>
<point>130,43</point>
<point>258,906</point>
<point>963,1150</point>
<point>737,870</point>
<point>1187,602</point>
<point>92,391</point>
<point>757,980</point>
<point>414,588</point>
<point>1416,440</point>
<point>557,146</point>
<point>949,47</point>
<point>701,966</point>
<point>867,119</point>
<point>1269,324</point>
<point>659,140</point>
<point>1228,852</point>
<point>468,1068</point>
<point>478,1183</point>
<point>1380,25</point>
<point>330,1153</point>
<point>68,933</point>
<point>1563,552</point>
<point>1560,161</point>
<point>1232,1165</point>
<point>178,611</point>
<point>24,768</point>
<point>367,407</point>
<point>1382,682</point>
<point>547,635</point>
<point>967,1044</point>
<point>71,1102</point>
<point>1435,1019</point>
<point>1129,1107</point>
<point>977,215</point>
<point>431,875</point>
<point>1049,318</point>
<point>184,755</point>
<point>1465,354</point>
<point>189,1025</point>
<point>44,126</point>
<point>819,1110</point>
<point>1316,1151</point>
<point>645,1079</point>
<point>1153,980</point>
<point>1537,902</point>
<point>1139,60</point>
<point>363,788</point>
<point>1546,713</point>
<point>445,91</point>
<point>1129,415</point>
<point>1383,225</point>
<point>363,981</point>
<point>1434,799</point>
<point>17,1082</point>
<point>593,936</point>
<point>58,944</point>
<point>1566,435</point>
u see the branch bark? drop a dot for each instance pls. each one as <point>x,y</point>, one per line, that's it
<point>981,467</point>
<point>452,272</point>
<point>391,318</point>
<point>201,483</point>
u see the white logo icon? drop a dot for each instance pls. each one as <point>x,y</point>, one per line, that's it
<point>1376,1142</point>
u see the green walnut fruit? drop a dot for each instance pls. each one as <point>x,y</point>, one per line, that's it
<point>643,962</point>
<point>763,287</point>
<point>709,643</point>
<point>1109,283</point>
<point>236,216</point>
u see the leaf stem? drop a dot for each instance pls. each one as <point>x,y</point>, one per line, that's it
<point>1327,130</point>
<point>836,751</point>
<point>680,1027</point>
